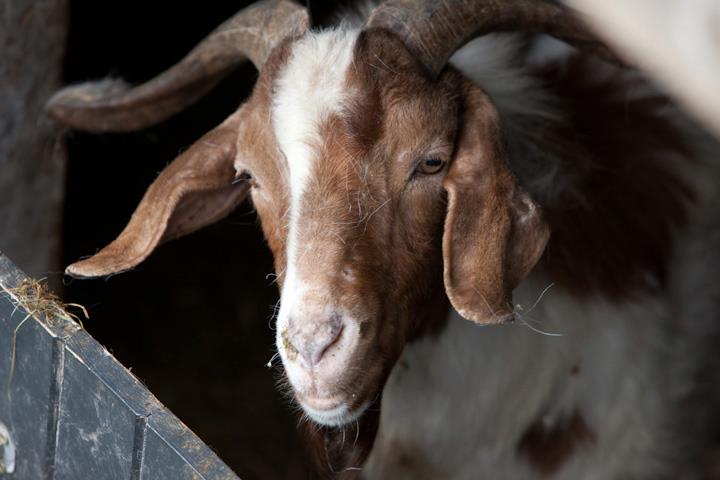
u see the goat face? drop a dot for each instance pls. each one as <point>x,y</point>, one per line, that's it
<point>353,205</point>
<point>365,148</point>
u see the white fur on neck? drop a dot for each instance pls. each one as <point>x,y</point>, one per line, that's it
<point>463,401</point>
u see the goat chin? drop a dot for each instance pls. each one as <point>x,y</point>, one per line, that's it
<point>334,417</point>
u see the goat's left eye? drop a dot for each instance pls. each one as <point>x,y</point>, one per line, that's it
<point>430,166</point>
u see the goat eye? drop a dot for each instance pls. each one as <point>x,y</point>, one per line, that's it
<point>430,166</point>
<point>243,176</point>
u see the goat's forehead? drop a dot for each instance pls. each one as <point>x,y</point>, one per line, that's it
<point>311,87</point>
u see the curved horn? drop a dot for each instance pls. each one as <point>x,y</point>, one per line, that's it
<point>113,106</point>
<point>434,29</point>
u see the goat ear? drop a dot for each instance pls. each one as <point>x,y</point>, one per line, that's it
<point>494,233</point>
<point>196,189</point>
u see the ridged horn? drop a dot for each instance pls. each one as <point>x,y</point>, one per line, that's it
<point>434,29</point>
<point>114,106</point>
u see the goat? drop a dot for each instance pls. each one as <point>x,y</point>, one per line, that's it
<point>402,196</point>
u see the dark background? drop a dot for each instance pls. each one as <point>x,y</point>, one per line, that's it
<point>194,322</point>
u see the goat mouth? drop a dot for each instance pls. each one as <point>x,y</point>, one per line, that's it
<point>336,416</point>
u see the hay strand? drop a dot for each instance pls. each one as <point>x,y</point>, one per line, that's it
<point>35,297</point>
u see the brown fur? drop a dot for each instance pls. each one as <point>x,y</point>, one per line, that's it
<point>613,234</point>
<point>269,182</point>
<point>547,448</point>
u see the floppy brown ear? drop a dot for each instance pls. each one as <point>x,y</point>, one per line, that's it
<point>494,233</point>
<point>196,189</point>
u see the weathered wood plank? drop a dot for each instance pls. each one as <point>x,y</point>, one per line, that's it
<point>75,412</point>
<point>163,463</point>
<point>25,397</point>
<point>95,428</point>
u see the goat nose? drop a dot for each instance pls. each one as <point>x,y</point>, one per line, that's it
<point>312,338</point>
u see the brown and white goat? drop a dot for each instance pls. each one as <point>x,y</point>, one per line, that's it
<point>402,197</point>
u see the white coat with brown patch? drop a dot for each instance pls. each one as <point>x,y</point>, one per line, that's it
<point>488,269</point>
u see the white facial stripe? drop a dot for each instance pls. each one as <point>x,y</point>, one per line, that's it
<point>311,87</point>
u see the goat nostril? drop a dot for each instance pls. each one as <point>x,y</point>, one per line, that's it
<point>328,342</point>
<point>313,342</point>
<point>348,274</point>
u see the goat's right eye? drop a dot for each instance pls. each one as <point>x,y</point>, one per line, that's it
<point>430,166</point>
<point>243,176</point>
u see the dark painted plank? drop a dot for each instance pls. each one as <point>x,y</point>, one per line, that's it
<point>69,389</point>
<point>162,461</point>
<point>189,446</point>
<point>24,402</point>
<point>96,429</point>
<point>139,400</point>
<point>57,373</point>
<point>139,442</point>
